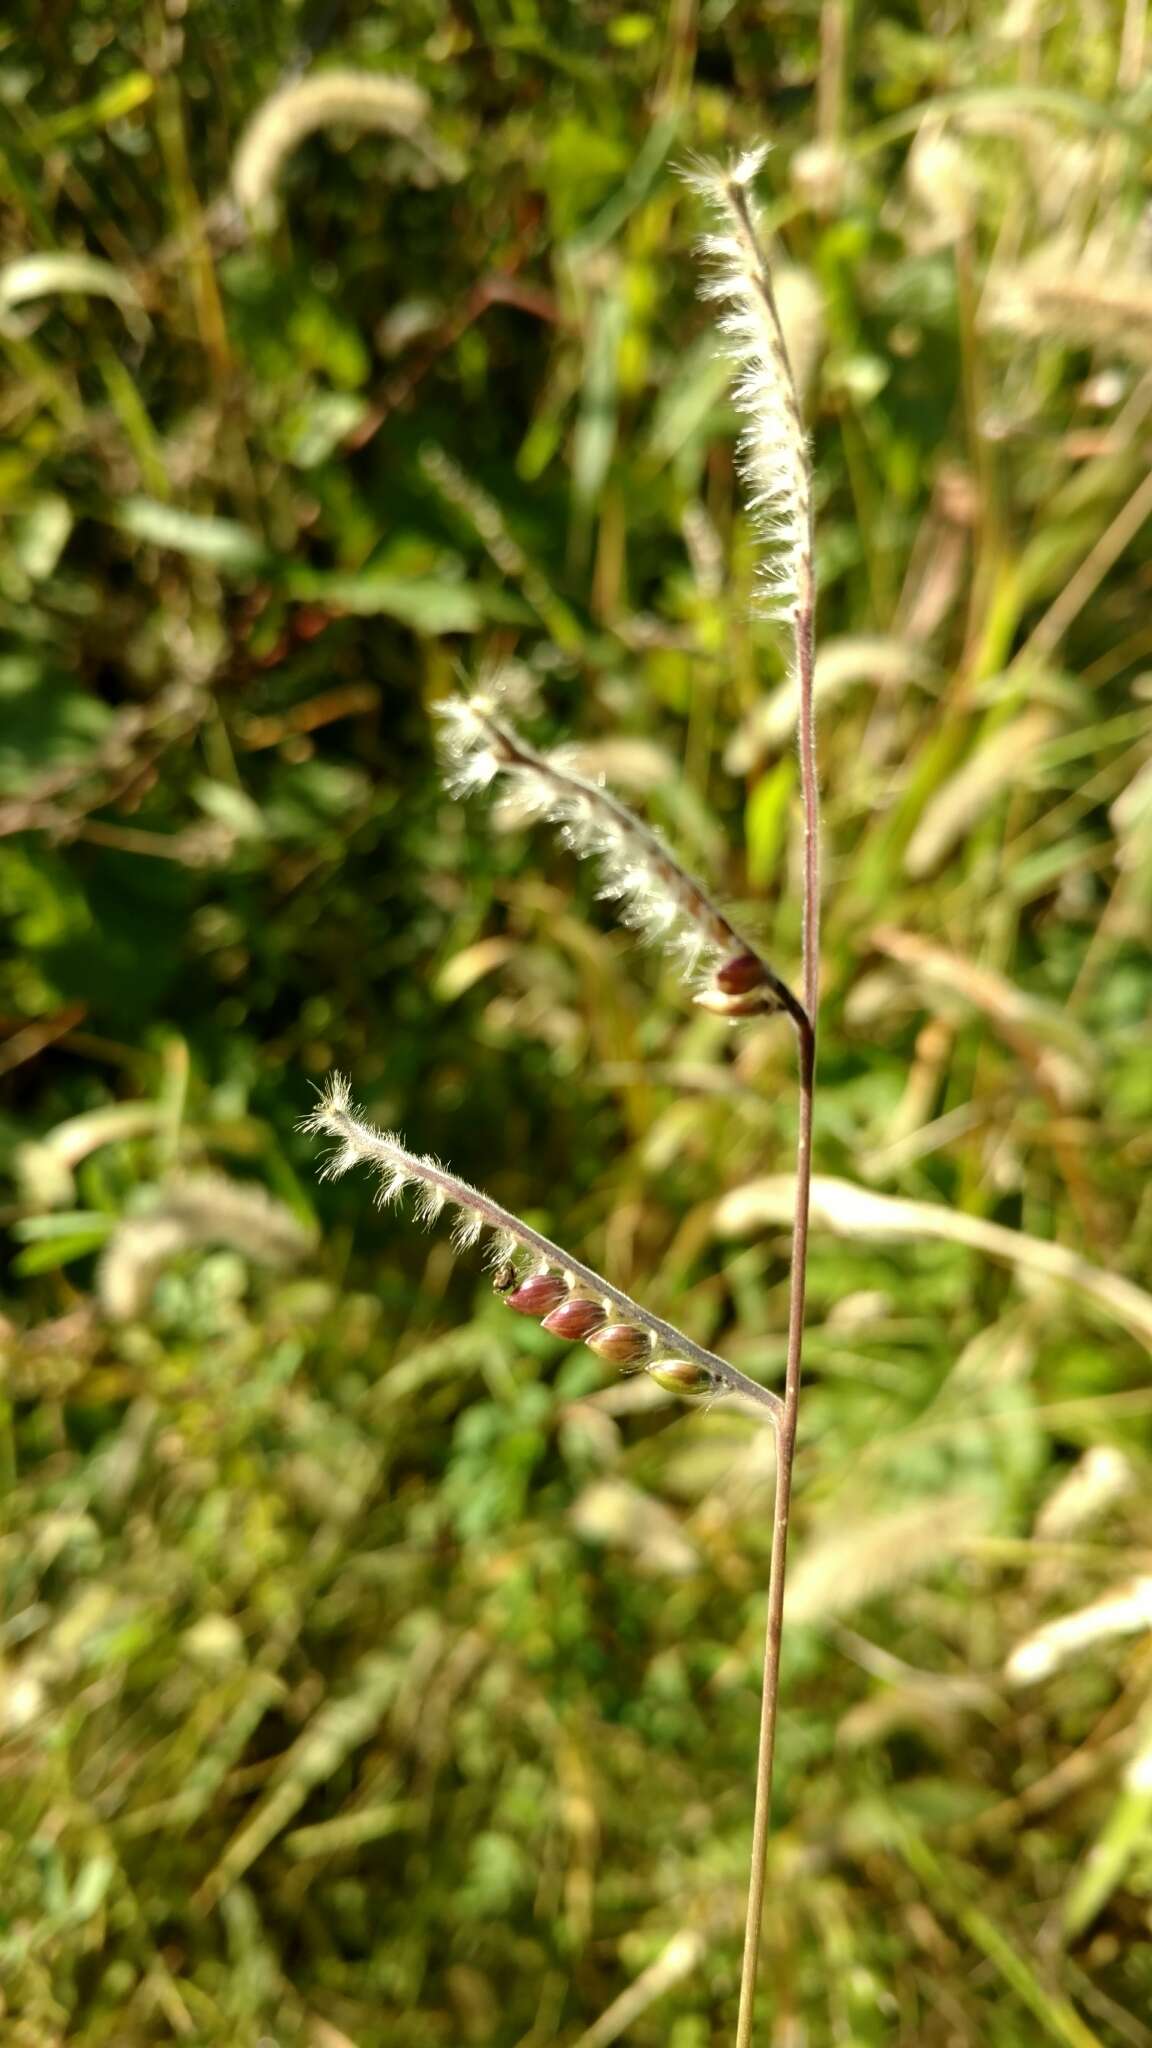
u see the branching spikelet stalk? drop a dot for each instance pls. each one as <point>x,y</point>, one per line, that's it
<point>658,896</point>
<point>534,1275</point>
<point>774,449</point>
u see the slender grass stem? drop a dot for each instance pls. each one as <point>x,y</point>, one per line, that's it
<point>786,1427</point>
<point>802,613</point>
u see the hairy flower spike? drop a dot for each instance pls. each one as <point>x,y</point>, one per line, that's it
<point>774,449</point>
<point>555,1284</point>
<point>659,897</point>
<point>351,99</point>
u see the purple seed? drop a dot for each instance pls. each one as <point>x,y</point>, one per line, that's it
<point>623,1343</point>
<point>574,1318</point>
<point>543,1291</point>
<point>740,974</point>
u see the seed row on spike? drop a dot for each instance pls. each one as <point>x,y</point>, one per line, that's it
<point>576,1317</point>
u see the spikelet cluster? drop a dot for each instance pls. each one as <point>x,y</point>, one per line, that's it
<point>656,894</point>
<point>535,1276</point>
<point>774,449</point>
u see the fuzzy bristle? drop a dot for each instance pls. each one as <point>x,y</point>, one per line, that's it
<point>656,894</point>
<point>774,449</point>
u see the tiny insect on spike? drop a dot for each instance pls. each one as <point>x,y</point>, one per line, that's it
<point>682,1376</point>
<point>574,1318</point>
<point>543,1291</point>
<point>738,975</point>
<point>504,1277</point>
<point>623,1343</point>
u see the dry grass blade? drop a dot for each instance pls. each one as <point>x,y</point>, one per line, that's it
<point>955,808</point>
<point>865,1555</point>
<point>341,1726</point>
<point>885,662</point>
<point>1060,1052</point>
<point>1123,1613</point>
<point>848,1210</point>
<point>1078,588</point>
<point>683,1954</point>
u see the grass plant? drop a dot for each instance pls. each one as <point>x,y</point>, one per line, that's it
<point>375,1667</point>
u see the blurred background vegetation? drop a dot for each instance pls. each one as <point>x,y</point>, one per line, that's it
<point>374,1671</point>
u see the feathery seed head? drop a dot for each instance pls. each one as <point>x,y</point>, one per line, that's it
<point>354,99</point>
<point>774,449</point>
<point>571,1299</point>
<point>659,898</point>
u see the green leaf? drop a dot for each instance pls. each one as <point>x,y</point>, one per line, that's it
<point>116,101</point>
<point>693,391</point>
<point>202,535</point>
<point>232,807</point>
<point>65,1224</point>
<point>594,438</point>
<point>766,822</point>
<point>426,603</point>
<point>60,1251</point>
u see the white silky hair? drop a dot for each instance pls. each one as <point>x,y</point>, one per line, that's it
<point>657,897</point>
<point>355,1142</point>
<point>773,449</point>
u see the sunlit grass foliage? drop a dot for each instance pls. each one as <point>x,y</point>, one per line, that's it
<point>372,1669</point>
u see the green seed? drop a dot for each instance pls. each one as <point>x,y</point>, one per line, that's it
<point>683,1376</point>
